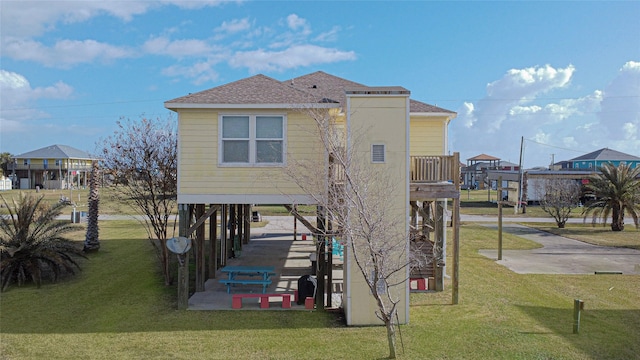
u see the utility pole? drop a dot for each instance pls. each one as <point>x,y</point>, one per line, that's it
<point>517,207</point>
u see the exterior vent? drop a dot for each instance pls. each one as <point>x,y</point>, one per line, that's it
<point>377,153</point>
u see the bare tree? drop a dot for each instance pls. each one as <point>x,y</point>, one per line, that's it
<point>356,199</point>
<point>143,157</point>
<point>558,197</point>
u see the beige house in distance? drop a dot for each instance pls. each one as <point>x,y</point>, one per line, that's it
<point>51,167</point>
<point>236,140</point>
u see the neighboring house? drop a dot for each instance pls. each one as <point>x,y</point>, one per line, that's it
<point>595,159</point>
<point>578,169</point>
<point>474,175</point>
<point>236,141</point>
<point>533,181</point>
<point>51,167</point>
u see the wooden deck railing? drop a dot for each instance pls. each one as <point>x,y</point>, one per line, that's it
<point>435,168</point>
<point>424,169</point>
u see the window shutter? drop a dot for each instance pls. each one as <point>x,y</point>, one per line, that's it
<point>377,153</point>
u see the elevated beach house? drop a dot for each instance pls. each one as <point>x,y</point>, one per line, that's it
<point>51,167</point>
<point>238,143</point>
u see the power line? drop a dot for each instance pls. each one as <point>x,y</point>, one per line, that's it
<point>557,147</point>
<point>81,105</point>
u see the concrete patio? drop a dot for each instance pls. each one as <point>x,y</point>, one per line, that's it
<point>271,245</point>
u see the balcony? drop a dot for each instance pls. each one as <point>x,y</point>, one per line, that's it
<point>431,177</point>
<point>435,177</point>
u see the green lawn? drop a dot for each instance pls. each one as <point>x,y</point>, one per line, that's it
<point>117,307</point>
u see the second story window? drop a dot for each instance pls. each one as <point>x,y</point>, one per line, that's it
<point>252,139</point>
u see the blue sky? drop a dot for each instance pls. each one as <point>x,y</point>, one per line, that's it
<point>563,75</point>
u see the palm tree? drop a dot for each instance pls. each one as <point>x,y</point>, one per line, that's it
<point>617,191</point>
<point>91,242</point>
<point>32,246</point>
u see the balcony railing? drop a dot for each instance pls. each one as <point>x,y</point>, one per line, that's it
<point>435,168</point>
<point>424,169</point>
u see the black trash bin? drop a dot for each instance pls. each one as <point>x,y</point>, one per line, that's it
<point>306,288</point>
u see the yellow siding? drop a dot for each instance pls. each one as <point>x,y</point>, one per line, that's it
<point>427,136</point>
<point>199,172</point>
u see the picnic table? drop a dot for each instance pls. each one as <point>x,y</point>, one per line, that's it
<point>244,275</point>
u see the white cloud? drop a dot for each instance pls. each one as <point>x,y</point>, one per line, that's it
<point>295,56</point>
<point>18,98</point>
<point>295,23</point>
<point>65,53</point>
<point>620,109</point>
<point>234,26</point>
<point>467,114</point>
<point>631,66</point>
<point>524,110</point>
<point>517,106</point>
<point>329,36</point>
<point>177,48</point>
<point>199,73</point>
<point>569,142</point>
<point>197,56</point>
<point>33,18</point>
<point>525,84</point>
<point>506,97</point>
<point>630,131</point>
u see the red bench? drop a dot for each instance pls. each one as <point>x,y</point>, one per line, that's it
<point>236,300</point>
<point>421,284</point>
<point>309,302</point>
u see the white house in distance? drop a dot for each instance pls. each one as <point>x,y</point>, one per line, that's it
<point>236,140</point>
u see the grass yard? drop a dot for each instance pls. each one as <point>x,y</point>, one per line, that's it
<point>597,235</point>
<point>79,197</point>
<point>117,307</point>
<point>111,206</point>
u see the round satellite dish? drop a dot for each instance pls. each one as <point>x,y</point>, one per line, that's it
<point>179,245</point>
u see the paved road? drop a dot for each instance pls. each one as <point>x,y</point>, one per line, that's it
<point>560,255</point>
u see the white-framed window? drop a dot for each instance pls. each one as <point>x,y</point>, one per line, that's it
<point>27,161</point>
<point>252,140</point>
<point>58,162</point>
<point>378,154</point>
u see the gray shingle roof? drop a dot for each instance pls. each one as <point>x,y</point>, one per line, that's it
<point>606,154</point>
<point>317,87</point>
<point>56,152</point>
<point>258,89</point>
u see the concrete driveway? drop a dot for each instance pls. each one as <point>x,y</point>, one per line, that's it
<point>560,255</point>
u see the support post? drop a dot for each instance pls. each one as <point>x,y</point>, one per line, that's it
<point>240,226</point>
<point>500,218</point>
<point>439,227</point>
<point>456,251</point>
<point>247,223</point>
<point>295,225</point>
<point>223,235</point>
<point>213,243</point>
<point>183,260</point>
<point>232,231</point>
<point>578,306</point>
<point>321,258</point>
<point>199,250</point>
